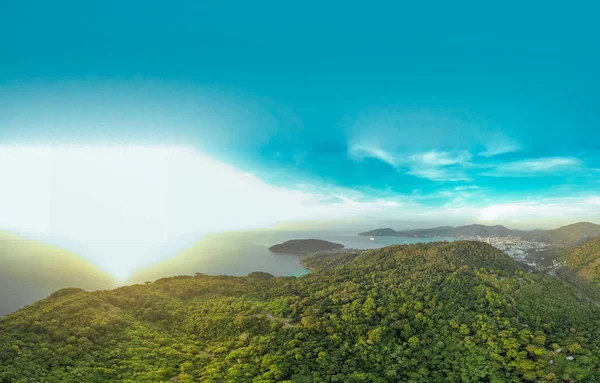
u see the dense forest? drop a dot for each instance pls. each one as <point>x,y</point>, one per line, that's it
<point>438,312</point>
<point>584,260</point>
<point>580,266</point>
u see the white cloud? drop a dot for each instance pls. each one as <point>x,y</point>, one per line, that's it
<point>499,147</point>
<point>535,166</point>
<point>467,187</point>
<point>437,158</point>
<point>437,173</point>
<point>362,152</point>
<point>548,213</point>
<point>439,166</point>
<point>433,165</point>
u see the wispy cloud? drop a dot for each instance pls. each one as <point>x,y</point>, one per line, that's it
<point>433,165</point>
<point>500,147</point>
<point>362,152</point>
<point>434,144</point>
<point>467,187</point>
<point>462,165</point>
<point>438,173</point>
<point>437,158</point>
<point>439,166</point>
<point>533,167</point>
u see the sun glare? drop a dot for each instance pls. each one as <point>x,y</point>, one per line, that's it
<point>127,204</point>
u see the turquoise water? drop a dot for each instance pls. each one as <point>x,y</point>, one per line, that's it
<point>240,253</point>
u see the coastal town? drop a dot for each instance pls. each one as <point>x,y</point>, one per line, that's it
<point>515,247</point>
<point>531,253</point>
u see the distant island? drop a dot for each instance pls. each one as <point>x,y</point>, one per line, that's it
<point>445,231</point>
<point>304,246</point>
<point>567,235</point>
<point>387,232</point>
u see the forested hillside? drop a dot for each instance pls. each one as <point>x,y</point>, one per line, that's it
<point>581,266</point>
<point>567,235</point>
<point>441,312</point>
<point>584,260</point>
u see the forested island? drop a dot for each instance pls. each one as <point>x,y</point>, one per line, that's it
<point>305,246</point>
<point>438,312</point>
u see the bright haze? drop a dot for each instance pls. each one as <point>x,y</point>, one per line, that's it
<point>126,131</point>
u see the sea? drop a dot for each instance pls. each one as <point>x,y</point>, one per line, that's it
<point>240,253</point>
<point>232,253</point>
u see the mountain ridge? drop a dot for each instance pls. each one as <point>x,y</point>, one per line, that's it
<point>565,235</point>
<point>572,234</point>
<point>444,231</point>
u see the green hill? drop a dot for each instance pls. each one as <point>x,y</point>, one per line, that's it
<point>30,270</point>
<point>567,235</point>
<point>441,312</point>
<point>582,266</point>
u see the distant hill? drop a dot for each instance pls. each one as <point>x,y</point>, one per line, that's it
<point>440,231</point>
<point>304,246</point>
<point>482,231</point>
<point>445,231</point>
<point>31,270</point>
<point>425,313</point>
<point>567,235</point>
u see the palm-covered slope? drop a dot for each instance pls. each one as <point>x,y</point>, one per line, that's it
<point>443,312</point>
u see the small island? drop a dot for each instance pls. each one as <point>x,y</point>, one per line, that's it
<point>387,232</point>
<point>305,246</point>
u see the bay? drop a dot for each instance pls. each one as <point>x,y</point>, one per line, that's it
<point>240,253</point>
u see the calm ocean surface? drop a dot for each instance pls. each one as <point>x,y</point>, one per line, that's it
<point>240,253</point>
<point>234,253</point>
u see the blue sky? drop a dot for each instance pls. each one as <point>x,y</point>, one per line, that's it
<point>437,106</point>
